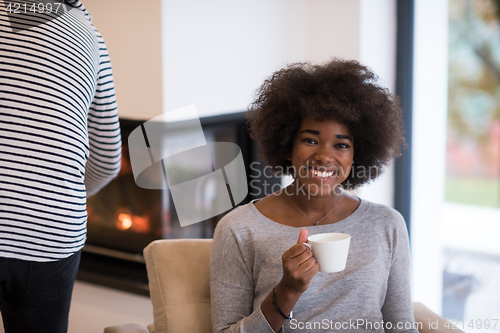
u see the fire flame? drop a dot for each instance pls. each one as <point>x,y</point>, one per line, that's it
<point>133,222</point>
<point>124,221</point>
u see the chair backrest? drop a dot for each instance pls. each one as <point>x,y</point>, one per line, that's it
<point>179,284</point>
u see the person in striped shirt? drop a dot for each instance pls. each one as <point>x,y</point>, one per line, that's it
<point>59,144</point>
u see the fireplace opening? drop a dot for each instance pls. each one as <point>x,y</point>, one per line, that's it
<point>124,218</point>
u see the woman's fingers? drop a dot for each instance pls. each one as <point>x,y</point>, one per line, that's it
<point>295,251</point>
<point>301,262</point>
<point>307,264</point>
<point>297,274</point>
<point>299,267</point>
<point>313,268</point>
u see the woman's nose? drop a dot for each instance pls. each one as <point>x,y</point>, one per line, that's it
<point>324,155</point>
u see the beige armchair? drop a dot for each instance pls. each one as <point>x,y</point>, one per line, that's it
<point>179,275</point>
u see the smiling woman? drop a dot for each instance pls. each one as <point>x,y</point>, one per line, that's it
<point>319,123</point>
<point>324,150</point>
<point>344,91</point>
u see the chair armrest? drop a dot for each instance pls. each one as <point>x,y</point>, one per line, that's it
<point>127,328</point>
<point>431,322</point>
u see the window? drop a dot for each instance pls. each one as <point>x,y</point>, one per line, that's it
<point>471,213</point>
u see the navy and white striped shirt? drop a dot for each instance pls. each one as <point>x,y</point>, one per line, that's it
<point>59,132</point>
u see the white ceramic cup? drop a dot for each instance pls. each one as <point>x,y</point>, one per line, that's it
<point>330,250</point>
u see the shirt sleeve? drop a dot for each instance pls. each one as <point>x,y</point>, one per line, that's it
<point>104,161</point>
<point>397,310</point>
<point>231,287</point>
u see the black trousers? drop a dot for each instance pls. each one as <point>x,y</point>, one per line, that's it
<point>35,297</point>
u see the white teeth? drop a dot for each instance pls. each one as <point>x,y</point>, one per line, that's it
<point>323,174</point>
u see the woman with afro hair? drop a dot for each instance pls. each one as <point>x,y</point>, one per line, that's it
<point>332,127</point>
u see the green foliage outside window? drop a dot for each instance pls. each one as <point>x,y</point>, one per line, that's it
<point>473,144</point>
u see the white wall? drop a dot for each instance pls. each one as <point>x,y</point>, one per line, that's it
<point>217,53</point>
<point>429,148</point>
<point>377,46</point>
<point>333,29</point>
<point>135,53</point>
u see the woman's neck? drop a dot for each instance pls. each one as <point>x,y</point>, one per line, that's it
<point>313,204</point>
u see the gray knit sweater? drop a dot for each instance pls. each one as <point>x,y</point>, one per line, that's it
<point>371,294</point>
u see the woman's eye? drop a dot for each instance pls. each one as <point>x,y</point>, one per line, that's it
<point>307,140</point>
<point>343,145</point>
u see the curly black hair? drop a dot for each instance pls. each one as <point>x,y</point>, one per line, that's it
<point>340,90</point>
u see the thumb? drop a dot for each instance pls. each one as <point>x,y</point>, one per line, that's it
<point>303,236</point>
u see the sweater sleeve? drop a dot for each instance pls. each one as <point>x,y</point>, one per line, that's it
<point>103,128</point>
<point>398,308</point>
<point>232,287</point>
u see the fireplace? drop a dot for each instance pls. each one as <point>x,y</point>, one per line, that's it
<point>123,218</point>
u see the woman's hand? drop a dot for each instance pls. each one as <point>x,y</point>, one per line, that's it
<point>299,267</point>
